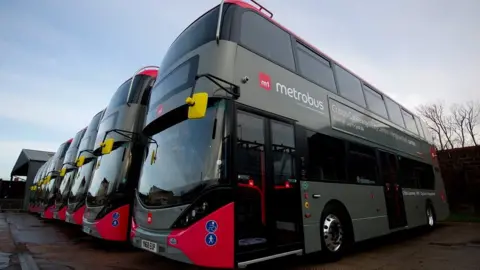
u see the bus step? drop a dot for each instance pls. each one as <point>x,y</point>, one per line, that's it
<point>271,257</point>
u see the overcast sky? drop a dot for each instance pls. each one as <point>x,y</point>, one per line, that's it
<point>416,51</point>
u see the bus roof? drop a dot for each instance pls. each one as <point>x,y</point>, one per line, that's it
<point>148,71</point>
<point>258,10</point>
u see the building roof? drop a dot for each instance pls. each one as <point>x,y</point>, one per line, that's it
<point>26,156</point>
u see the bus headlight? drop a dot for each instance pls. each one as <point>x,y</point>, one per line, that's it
<point>206,204</point>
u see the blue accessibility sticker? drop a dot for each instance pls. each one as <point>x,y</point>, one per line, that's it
<point>115,223</point>
<point>211,226</point>
<point>116,215</point>
<point>210,239</point>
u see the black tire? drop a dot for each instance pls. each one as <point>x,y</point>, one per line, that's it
<point>335,220</point>
<point>430,216</point>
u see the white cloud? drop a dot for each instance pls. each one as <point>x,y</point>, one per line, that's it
<point>53,103</point>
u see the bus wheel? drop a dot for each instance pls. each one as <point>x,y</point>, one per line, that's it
<point>430,215</point>
<point>335,232</point>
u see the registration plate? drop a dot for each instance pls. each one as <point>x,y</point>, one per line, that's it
<point>150,246</point>
<point>55,215</point>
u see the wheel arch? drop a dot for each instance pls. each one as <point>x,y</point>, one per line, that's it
<point>429,203</point>
<point>336,204</point>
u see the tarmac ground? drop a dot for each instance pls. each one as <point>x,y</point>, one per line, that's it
<point>27,242</point>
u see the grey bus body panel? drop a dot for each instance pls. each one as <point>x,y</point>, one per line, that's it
<point>158,229</point>
<point>86,145</point>
<point>327,116</point>
<point>160,238</point>
<point>162,219</point>
<point>274,89</point>
<point>125,117</point>
<point>72,151</point>
<point>130,118</point>
<point>365,205</point>
<point>215,60</point>
<point>340,118</point>
<point>88,222</point>
<point>57,161</point>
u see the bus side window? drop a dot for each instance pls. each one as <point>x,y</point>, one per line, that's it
<point>362,164</point>
<point>326,160</point>
<point>388,166</point>
<point>415,174</point>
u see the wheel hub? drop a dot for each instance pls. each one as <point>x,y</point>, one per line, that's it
<point>332,233</point>
<point>430,217</point>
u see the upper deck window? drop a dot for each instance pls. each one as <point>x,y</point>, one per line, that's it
<point>349,86</point>
<point>428,135</point>
<point>394,112</point>
<point>198,33</point>
<point>93,125</point>
<point>419,127</point>
<point>409,121</point>
<point>315,68</point>
<point>119,98</point>
<point>78,137</point>
<point>375,102</point>
<point>263,37</point>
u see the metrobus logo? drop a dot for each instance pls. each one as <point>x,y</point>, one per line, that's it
<point>265,81</point>
<point>304,98</point>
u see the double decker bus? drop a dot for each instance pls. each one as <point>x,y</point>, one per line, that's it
<point>261,146</point>
<point>40,187</point>
<point>67,173</point>
<point>85,162</point>
<point>119,149</point>
<point>34,188</point>
<point>51,177</point>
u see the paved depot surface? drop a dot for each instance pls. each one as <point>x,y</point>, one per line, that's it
<point>25,240</point>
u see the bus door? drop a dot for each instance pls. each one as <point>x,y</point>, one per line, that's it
<point>267,212</point>
<point>393,191</point>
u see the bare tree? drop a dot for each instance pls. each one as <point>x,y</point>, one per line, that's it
<point>472,119</point>
<point>458,118</point>
<point>438,122</point>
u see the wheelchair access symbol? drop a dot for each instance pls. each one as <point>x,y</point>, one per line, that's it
<point>211,226</point>
<point>211,238</point>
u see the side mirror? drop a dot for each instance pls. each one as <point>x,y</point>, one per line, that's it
<point>63,171</point>
<point>80,161</point>
<point>197,105</point>
<point>107,146</point>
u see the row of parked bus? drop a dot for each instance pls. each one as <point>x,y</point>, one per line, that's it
<point>246,144</point>
<point>79,171</point>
